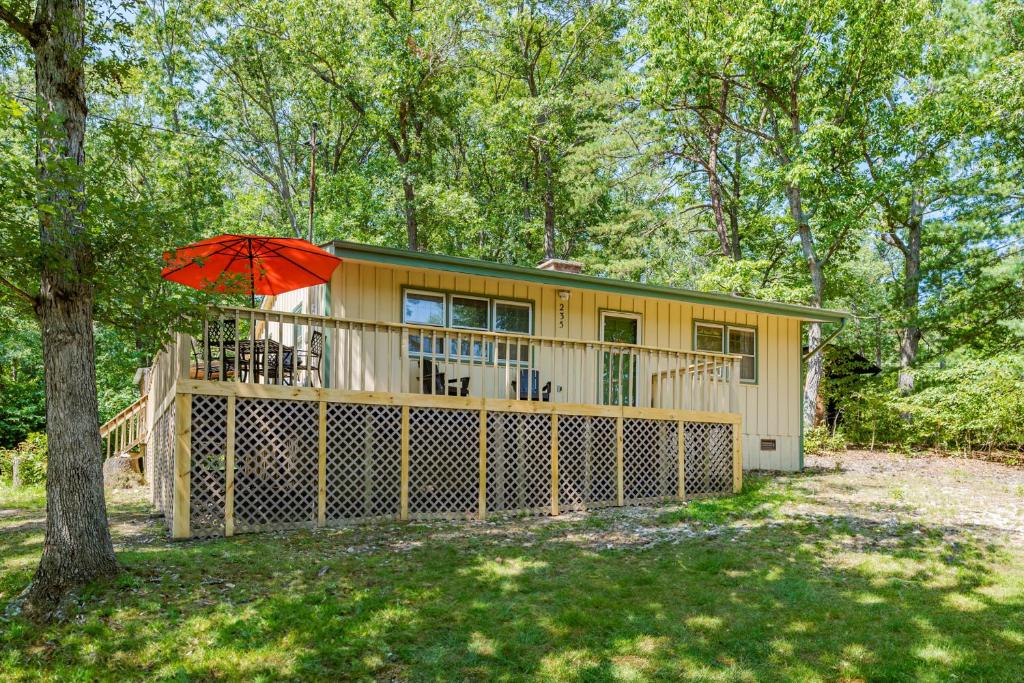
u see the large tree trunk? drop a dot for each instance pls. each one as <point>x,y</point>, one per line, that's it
<point>77,546</point>
<point>910,336</point>
<point>816,362</point>
<point>409,206</point>
<point>549,202</point>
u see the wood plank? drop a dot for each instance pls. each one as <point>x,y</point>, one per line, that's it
<point>404,509</point>
<point>181,500</point>
<point>321,474</point>
<point>482,493</point>
<point>229,472</point>
<point>554,464</point>
<point>619,468</point>
<point>737,458</point>
<point>681,488</point>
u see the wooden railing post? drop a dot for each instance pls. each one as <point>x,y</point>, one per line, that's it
<point>229,471</point>
<point>737,455</point>
<point>681,490</point>
<point>180,518</point>
<point>482,491</point>
<point>554,464</point>
<point>619,462</point>
<point>404,486</point>
<point>321,471</point>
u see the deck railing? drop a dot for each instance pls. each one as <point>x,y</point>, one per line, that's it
<point>126,430</point>
<point>271,347</point>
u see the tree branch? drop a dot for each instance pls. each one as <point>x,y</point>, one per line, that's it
<point>30,32</point>
<point>18,290</point>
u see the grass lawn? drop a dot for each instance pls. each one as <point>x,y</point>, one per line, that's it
<point>829,575</point>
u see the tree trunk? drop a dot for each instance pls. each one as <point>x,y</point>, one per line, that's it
<point>549,202</point>
<point>734,215</point>
<point>77,546</point>
<point>910,336</point>
<point>409,206</point>
<point>816,363</point>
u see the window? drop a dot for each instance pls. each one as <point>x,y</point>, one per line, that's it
<point>513,317</point>
<point>741,341</point>
<point>424,308</point>
<point>469,313</point>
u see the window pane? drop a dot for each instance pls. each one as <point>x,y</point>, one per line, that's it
<point>512,317</point>
<point>741,341</point>
<point>621,330</point>
<point>469,313</point>
<point>709,338</point>
<point>424,309</point>
<point>747,369</point>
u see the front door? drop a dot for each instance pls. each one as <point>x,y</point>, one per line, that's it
<point>618,368</point>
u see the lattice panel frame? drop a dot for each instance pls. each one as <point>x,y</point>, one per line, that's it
<point>650,458</point>
<point>364,461</point>
<point>276,463</point>
<point>209,455</point>
<point>586,462</point>
<point>444,462</point>
<point>518,463</point>
<point>162,471</point>
<point>709,452</point>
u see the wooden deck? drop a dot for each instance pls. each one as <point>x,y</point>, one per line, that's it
<point>232,453</point>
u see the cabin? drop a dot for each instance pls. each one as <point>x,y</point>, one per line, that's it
<point>417,385</point>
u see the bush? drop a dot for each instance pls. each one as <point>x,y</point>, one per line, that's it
<point>31,454</point>
<point>972,405</point>
<point>821,439</point>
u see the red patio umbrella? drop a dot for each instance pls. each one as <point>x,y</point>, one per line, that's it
<point>250,264</point>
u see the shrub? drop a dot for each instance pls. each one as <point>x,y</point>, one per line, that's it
<point>31,454</point>
<point>821,439</point>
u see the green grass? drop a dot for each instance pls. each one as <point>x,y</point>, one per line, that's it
<point>806,599</point>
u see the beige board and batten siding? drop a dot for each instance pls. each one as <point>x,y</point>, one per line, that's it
<point>372,291</point>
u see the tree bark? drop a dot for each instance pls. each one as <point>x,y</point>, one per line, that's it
<point>816,363</point>
<point>409,206</point>
<point>910,336</point>
<point>77,546</point>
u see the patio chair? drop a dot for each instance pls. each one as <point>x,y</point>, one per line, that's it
<point>529,388</point>
<point>435,383</point>
<point>221,341</point>
<point>205,369</point>
<point>309,359</point>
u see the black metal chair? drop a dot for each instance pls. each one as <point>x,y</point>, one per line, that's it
<point>221,342</point>
<point>435,382</point>
<point>528,387</point>
<point>309,359</point>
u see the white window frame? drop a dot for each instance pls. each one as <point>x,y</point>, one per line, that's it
<point>638,317</point>
<point>426,292</point>
<point>725,328</point>
<point>528,305</point>
<point>451,312</point>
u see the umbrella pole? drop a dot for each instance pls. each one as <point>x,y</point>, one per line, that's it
<point>252,280</point>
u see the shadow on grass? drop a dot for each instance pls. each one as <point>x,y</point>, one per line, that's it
<point>813,598</point>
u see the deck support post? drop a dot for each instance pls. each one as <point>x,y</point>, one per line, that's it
<point>620,497</point>
<point>554,464</point>
<point>321,470</point>
<point>181,500</point>
<point>404,495</point>
<point>681,490</point>
<point>229,471</point>
<point>737,455</point>
<point>482,493</point>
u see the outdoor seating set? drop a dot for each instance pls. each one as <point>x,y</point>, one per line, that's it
<point>527,388</point>
<point>266,360</point>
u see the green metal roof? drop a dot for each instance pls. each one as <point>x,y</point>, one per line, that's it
<point>467,266</point>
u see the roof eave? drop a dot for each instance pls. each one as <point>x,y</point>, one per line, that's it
<point>458,264</point>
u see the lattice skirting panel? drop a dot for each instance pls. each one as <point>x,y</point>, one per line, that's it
<point>444,462</point>
<point>160,452</point>
<point>518,463</point>
<point>276,463</point>
<point>587,455</point>
<point>392,462</point>
<point>709,458</point>
<point>207,478</point>
<point>364,462</point>
<point>650,460</point>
